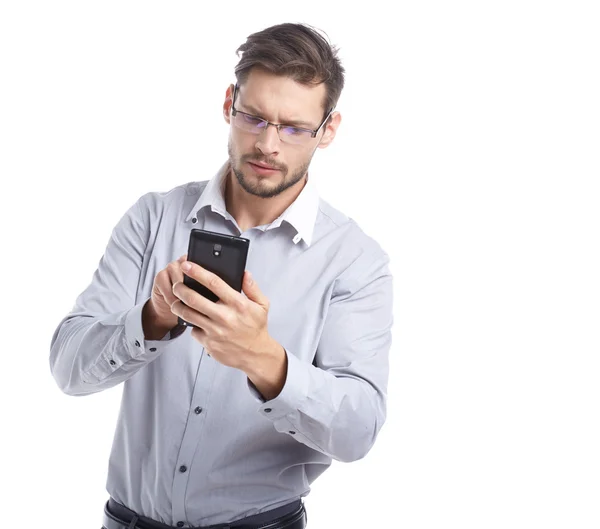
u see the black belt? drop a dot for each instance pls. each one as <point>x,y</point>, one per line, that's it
<point>290,516</point>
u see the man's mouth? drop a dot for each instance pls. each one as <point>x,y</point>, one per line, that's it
<point>262,168</point>
<point>263,165</point>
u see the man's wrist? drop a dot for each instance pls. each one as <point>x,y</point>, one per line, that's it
<point>153,328</point>
<point>269,372</point>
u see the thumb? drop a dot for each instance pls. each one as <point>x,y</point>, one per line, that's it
<point>252,291</point>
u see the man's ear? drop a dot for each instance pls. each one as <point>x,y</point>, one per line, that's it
<point>228,103</point>
<point>330,130</point>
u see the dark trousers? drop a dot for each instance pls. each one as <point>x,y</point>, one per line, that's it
<point>290,516</point>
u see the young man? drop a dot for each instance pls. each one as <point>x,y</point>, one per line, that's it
<point>229,423</point>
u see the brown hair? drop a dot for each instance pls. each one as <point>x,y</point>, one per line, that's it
<point>297,51</point>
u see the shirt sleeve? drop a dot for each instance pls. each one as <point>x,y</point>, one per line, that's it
<point>100,343</point>
<point>337,404</point>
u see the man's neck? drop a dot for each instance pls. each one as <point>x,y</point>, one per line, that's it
<point>249,210</point>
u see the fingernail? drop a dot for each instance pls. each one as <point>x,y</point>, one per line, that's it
<point>186,266</point>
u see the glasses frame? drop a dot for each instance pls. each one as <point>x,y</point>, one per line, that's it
<point>278,126</point>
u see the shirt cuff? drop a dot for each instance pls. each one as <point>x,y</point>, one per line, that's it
<point>132,346</point>
<point>293,394</point>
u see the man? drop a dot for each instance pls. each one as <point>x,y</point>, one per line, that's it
<point>229,423</point>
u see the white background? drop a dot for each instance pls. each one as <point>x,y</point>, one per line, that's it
<point>469,149</point>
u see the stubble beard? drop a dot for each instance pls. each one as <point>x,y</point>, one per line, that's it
<point>258,189</point>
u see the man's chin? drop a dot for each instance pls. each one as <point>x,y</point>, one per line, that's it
<point>256,185</point>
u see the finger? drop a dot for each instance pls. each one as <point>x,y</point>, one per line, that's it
<point>187,313</point>
<point>213,282</point>
<point>250,288</point>
<point>198,302</point>
<point>175,273</point>
<point>167,278</point>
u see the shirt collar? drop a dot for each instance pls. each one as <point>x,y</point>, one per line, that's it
<point>301,214</point>
<point>213,195</point>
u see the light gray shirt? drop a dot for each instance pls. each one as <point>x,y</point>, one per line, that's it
<point>195,441</point>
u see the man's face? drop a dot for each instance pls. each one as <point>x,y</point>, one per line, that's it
<point>278,100</point>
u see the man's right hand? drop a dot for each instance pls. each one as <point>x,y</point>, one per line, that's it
<point>157,318</point>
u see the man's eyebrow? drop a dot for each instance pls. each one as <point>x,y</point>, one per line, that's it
<point>294,122</point>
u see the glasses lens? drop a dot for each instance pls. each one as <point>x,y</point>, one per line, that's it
<point>294,135</point>
<point>249,123</point>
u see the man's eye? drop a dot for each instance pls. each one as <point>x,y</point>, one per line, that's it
<point>294,131</point>
<point>252,120</point>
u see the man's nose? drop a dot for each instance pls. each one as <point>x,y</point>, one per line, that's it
<point>268,140</point>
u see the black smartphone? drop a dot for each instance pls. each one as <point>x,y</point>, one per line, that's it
<point>223,255</point>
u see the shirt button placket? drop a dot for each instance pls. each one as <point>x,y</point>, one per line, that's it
<point>192,443</point>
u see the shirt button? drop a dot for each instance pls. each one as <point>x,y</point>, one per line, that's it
<point>182,468</point>
<point>152,349</point>
<point>180,524</point>
<point>194,220</point>
<point>292,432</point>
<point>137,343</point>
<point>198,410</point>
<point>268,410</point>
<point>112,363</point>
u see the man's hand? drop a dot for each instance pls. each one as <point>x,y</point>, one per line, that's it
<point>234,329</point>
<point>157,318</point>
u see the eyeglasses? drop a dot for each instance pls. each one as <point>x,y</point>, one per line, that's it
<point>287,133</point>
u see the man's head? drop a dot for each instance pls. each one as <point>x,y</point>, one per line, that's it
<point>288,75</point>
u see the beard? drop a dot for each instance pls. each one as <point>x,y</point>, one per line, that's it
<point>261,188</point>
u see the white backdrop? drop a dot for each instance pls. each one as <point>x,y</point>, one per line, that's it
<point>469,149</point>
